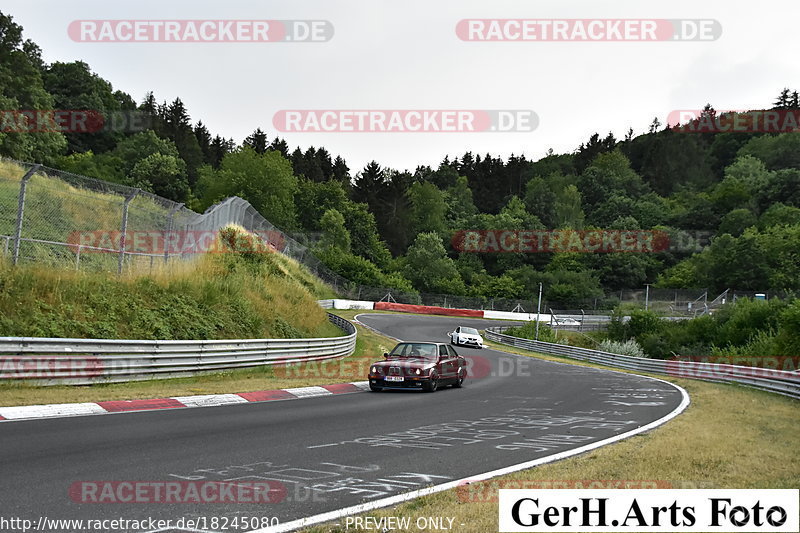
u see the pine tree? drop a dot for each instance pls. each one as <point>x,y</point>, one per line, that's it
<point>279,145</point>
<point>257,141</point>
<point>204,140</point>
<point>341,172</point>
<point>783,101</point>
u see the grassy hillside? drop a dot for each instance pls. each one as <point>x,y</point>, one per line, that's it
<point>216,296</point>
<point>56,209</point>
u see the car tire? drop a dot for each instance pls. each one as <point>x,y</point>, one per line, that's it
<point>459,381</point>
<point>432,385</point>
<point>373,388</point>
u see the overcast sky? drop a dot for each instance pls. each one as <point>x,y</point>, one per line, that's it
<point>406,55</point>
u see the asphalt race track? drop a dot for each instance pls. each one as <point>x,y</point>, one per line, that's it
<point>329,452</point>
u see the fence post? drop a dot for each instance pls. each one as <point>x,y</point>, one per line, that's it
<point>170,223</point>
<point>124,229</point>
<point>78,258</point>
<point>21,209</point>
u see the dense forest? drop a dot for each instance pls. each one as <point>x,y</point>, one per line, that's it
<point>383,227</point>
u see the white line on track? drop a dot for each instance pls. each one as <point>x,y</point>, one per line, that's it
<point>399,498</point>
<point>323,445</point>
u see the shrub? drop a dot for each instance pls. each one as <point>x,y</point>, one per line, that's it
<point>629,347</point>
<point>528,331</point>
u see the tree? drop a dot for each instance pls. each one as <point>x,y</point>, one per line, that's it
<point>365,239</point>
<point>779,215</point>
<point>428,208</point>
<point>540,200</point>
<point>257,141</point>
<point>460,206</point>
<point>594,147</point>
<point>736,221</point>
<point>178,128</point>
<point>781,186</point>
<point>783,100</point>
<point>74,86</point>
<point>220,147</point>
<point>568,211</point>
<point>204,141</point>
<point>341,172</point>
<point>622,270</point>
<point>369,185</point>
<point>312,200</point>
<point>279,145</point>
<point>137,147</point>
<point>164,175</point>
<point>777,152</point>
<point>264,180</point>
<point>334,232</point>
<point>21,88</point>
<point>429,268</point>
<point>106,167</point>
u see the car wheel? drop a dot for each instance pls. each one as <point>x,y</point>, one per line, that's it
<point>431,385</point>
<point>373,388</point>
<point>459,380</point>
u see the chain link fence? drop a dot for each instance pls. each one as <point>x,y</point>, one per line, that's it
<point>57,218</point>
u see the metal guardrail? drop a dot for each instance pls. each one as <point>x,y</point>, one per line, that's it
<point>778,381</point>
<point>44,361</point>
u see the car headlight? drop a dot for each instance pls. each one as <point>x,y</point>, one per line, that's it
<point>417,371</point>
<point>374,369</point>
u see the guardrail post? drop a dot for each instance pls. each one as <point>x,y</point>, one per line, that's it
<point>78,258</point>
<point>124,229</point>
<point>21,209</point>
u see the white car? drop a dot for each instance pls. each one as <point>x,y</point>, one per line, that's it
<point>464,336</point>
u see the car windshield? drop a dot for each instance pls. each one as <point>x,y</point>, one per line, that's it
<point>414,349</point>
<point>469,331</point>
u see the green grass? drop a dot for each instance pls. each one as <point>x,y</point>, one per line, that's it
<point>217,296</point>
<point>369,347</point>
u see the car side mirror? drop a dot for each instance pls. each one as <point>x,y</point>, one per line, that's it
<point>385,355</point>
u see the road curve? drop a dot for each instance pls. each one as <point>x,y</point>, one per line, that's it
<point>328,452</point>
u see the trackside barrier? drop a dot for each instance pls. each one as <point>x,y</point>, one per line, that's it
<point>43,361</point>
<point>364,304</point>
<point>507,315</point>
<point>345,304</point>
<point>778,381</point>
<point>427,310</point>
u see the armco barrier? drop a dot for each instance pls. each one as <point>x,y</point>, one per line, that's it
<point>779,381</point>
<point>44,361</point>
<point>508,315</point>
<point>427,310</point>
<point>346,304</point>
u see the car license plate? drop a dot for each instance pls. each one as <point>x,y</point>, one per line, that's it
<point>394,378</point>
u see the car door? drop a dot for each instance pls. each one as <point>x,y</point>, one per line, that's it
<point>459,363</point>
<point>448,370</point>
